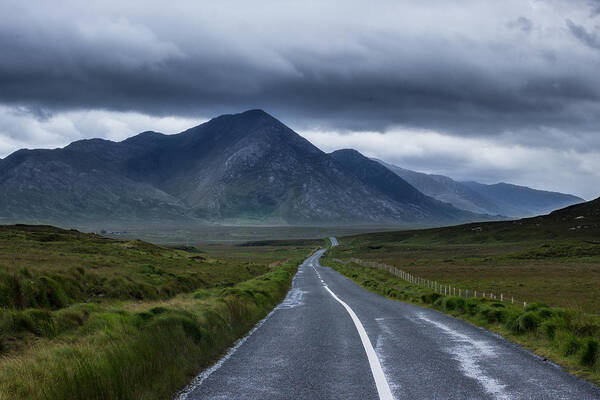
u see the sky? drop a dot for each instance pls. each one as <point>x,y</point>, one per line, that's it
<point>475,90</point>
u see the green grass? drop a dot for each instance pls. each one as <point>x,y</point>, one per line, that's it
<point>46,267</point>
<point>135,350</point>
<point>87,317</point>
<point>568,337</point>
<point>563,271</point>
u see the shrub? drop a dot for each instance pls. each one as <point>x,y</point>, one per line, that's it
<point>472,306</point>
<point>430,298</point>
<point>549,328</point>
<point>571,346</point>
<point>511,321</point>
<point>590,352</point>
<point>529,321</point>
<point>449,303</point>
<point>545,312</point>
<point>493,314</point>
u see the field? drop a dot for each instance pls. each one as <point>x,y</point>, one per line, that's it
<point>539,259</point>
<point>227,234</point>
<point>86,317</point>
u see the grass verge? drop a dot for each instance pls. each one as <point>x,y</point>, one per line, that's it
<point>566,337</point>
<point>135,350</point>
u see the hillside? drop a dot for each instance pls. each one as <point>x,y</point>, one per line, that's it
<point>523,201</point>
<point>498,199</point>
<point>246,168</point>
<point>382,180</point>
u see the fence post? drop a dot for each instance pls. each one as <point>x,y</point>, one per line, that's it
<point>524,304</point>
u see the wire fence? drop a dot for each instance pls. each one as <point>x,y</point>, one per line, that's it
<point>446,290</point>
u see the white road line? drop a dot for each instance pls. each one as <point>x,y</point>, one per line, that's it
<point>383,388</point>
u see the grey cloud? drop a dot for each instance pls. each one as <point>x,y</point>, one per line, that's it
<point>590,39</point>
<point>460,70</point>
<point>523,24</point>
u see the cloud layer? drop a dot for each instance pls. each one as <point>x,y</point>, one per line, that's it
<point>512,75</point>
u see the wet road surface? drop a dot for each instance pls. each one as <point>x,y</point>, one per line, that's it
<point>332,339</point>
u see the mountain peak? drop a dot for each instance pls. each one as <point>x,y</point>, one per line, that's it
<point>348,152</point>
<point>143,137</point>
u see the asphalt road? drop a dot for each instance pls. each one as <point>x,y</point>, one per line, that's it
<point>331,339</point>
<point>334,241</point>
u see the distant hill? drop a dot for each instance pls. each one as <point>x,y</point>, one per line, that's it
<point>578,224</point>
<point>382,180</point>
<point>519,201</point>
<point>499,199</point>
<point>246,168</point>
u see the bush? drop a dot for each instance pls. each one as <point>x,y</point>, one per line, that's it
<point>497,315</point>
<point>511,321</point>
<point>545,312</point>
<point>571,346</point>
<point>454,303</point>
<point>549,328</point>
<point>590,352</point>
<point>472,306</point>
<point>430,298</point>
<point>529,321</point>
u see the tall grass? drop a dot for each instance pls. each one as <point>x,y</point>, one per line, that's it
<point>137,352</point>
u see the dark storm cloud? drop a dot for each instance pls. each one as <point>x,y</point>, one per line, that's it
<point>514,77</point>
<point>462,79</point>
<point>590,39</point>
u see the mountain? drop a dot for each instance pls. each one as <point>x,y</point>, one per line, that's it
<point>499,199</point>
<point>388,184</point>
<point>523,201</point>
<point>240,168</point>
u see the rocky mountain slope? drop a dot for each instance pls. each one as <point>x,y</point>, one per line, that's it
<point>244,168</point>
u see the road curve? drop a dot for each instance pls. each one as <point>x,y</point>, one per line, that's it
<point>312,347</point>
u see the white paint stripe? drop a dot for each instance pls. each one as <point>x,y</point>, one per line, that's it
<point>471,354</point>
<point>380,381</point>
